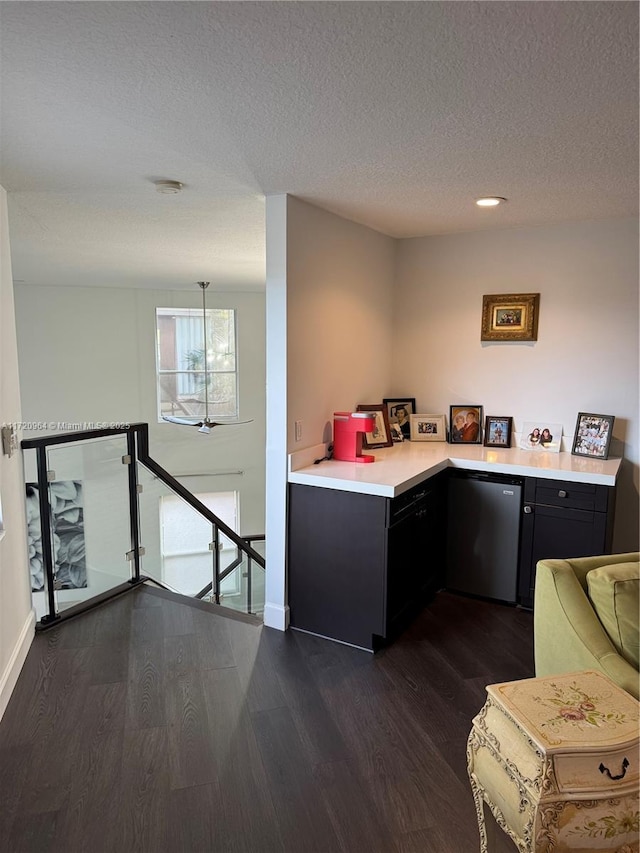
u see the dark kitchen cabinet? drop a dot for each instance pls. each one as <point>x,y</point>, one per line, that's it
<point>561,520</point>
<point>361,566</point>
<point>415,552</point>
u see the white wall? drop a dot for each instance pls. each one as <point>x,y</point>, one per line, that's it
<point>586,355</point>
<point>88,355</point>
<point>16,617</point>
<point>329,304</point>
<point>339,308</point>
<point>276,610</point>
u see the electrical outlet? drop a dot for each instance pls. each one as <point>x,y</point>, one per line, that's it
<point>298,430</point>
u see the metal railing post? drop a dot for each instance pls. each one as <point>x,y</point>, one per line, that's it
<point>248,584</point>
<point>45,529</point>
<point>215,545</point>
<point>134,510</point>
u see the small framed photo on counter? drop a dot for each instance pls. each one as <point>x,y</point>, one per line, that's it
<point>465,424</point>
<point>497,431</point>
<point>380,436</point>
<point>399,410</point>
<point>541,435</point>
<point>428,428</point>
<point>593,435</point>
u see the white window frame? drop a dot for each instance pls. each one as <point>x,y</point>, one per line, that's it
<point>184,373</point>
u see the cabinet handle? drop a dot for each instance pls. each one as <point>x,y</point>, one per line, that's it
<point>562,493</point>
<point>625,764</point>
<point>528,510</point>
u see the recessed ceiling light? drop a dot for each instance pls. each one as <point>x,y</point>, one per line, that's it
<point>490,201</point>
<point>168,187</point>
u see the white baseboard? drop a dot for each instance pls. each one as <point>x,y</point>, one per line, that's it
<point>276,616</point>
<point>17,659</point>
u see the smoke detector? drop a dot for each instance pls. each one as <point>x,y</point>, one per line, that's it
<point>168,187</point>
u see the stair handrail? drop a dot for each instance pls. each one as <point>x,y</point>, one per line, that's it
<point>142,431</point>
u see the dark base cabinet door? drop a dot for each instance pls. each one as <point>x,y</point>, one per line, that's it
<point>336,563</point>
<point>575,520</point>
<point>415,565</point>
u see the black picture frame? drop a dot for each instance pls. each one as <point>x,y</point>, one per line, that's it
<point>469,429</point>
<point>592,437</point>
<point>498,430</point>
<point>409,405</point>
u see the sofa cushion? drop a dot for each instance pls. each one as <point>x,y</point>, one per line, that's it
<point>614,593</point>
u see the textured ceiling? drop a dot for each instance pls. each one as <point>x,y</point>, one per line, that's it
<point>394,114</point>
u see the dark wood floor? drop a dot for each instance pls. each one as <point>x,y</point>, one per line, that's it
<point>152,725</point>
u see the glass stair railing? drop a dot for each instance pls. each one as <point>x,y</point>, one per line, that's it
<point>241,580</point>
<point>98,525</point>
<point>78,489</point>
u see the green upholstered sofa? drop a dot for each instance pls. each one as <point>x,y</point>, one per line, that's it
<point>569,636</point>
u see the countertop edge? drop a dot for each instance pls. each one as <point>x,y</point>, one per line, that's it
<point>390,483</point>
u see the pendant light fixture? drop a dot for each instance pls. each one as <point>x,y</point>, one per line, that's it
<point>205,425</point>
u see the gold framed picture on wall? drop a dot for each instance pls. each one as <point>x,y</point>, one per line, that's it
<point>510,317</point>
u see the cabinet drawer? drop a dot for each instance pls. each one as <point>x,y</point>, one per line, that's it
<point>585,496</point>
<point>409,501</point>
<point>580,771</point>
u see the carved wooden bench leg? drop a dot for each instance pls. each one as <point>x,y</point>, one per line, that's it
<point>490,828</point>
<point>480,814</point>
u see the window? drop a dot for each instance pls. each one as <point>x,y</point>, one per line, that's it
<point>180,362</point>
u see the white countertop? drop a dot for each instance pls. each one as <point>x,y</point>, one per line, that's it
<point>402,466</point>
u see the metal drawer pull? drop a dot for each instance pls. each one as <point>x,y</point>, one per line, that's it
<point>625,764</point>
<point>562,493</point>
<point>528,510</point>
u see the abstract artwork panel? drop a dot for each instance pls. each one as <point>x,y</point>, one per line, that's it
<point>67,522</point>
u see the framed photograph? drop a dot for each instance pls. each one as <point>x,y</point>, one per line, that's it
<point>399,410</point>
<point>510,317</point>
<point>497,431</point>
<point>380,436</point>
<point>396,432</point>
<point>541,435</point>
<point>428,428</point>
<point>593,435</point>
<point>465,424</point>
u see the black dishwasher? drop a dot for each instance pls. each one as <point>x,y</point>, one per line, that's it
<point>483,534</point>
